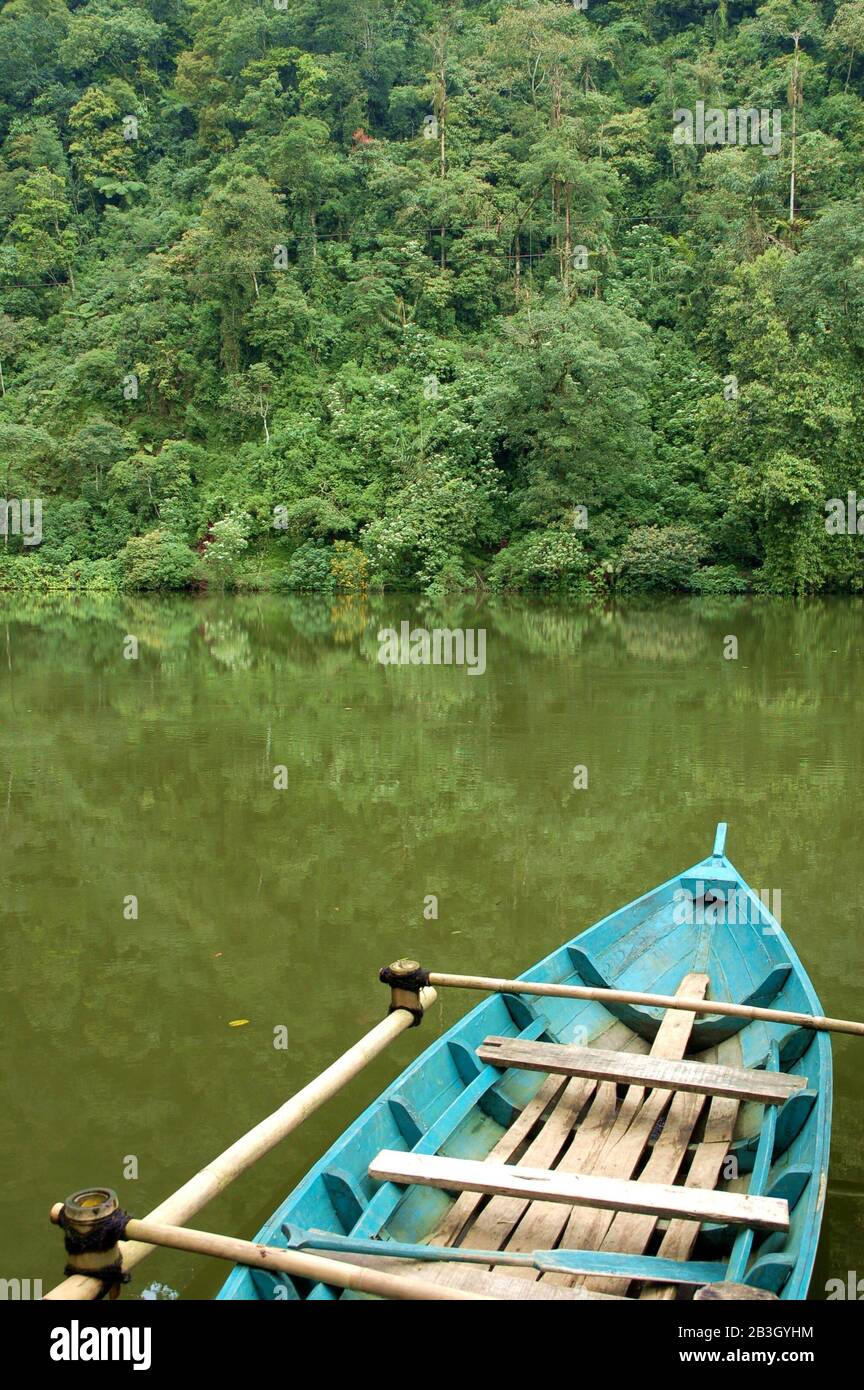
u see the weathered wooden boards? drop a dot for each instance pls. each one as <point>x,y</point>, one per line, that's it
<point>575,1147</point>
<point>497,1219</point>
<point>705,1169</point>
<point>506,1150</point>
<point>769,1088</point>
<point>630,1233</point>
<point>479,1281</point>
<point>735,1292</point>
<point>627,1232</point>
<point>623,1143</point>
<point>578,1189</point>
<point>601,1132</point>
<point>544,1220</point>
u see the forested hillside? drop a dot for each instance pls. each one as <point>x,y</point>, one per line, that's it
<point>339,293</point>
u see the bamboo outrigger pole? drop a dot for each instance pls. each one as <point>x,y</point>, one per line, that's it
<point>492,985</point>
<point>316,1268</point>
<point>408,1004</point>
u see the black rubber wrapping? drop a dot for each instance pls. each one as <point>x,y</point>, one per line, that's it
<point>104,1236</point>
<point>110,1276</point>
<point>416,1014</point>
<point>412,983</point>
<point>415,980</point>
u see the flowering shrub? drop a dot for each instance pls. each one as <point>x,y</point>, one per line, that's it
<point>660,558</point>
<point>228,540</point>
<point>349,568</point>
<point>433,527</point>
<point>552,561</point>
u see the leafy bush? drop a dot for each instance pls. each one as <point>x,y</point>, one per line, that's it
<point>791,494</point>
<point>16,572</point>
<point>97,576</point>
<point>718,579</point>
<point>157,560</point>
<point>660,559</point>
<point>450,579</point>
<point>313,516</point>
<point>308,570</point>
<point>552,561</point>
<point>35,576</point>
<point>349,568</point>
<point>433,524</point>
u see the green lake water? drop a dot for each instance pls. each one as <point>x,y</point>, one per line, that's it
<point>154,777</point>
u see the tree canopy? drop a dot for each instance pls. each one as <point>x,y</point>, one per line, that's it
<point>429,293</point>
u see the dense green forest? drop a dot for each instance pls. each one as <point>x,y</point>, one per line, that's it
<point>336,294</point>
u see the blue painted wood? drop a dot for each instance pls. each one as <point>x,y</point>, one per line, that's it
<point>743,1246</point>
<point>615,1265</point>
<point>772,1272</point>
<point>493,1102</point>
<point>498,1107</point>
<point>790,1183</point>
<point>349,1200</point>
<point>793,1115</point>
<point>709,1029</point>
<point>522,1010</point>
<point>409,1123</point>
<point>446,1102</point>
<point>466,1061</point>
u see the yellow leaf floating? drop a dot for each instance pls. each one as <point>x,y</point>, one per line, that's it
<point>237,1022</point>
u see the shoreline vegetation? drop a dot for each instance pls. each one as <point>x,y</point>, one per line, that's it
<point>436,295</point>
<point>335,573</point>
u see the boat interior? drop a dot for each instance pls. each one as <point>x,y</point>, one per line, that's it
<point>596,1150</point>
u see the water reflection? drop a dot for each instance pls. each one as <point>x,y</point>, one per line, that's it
<point>155,777</point>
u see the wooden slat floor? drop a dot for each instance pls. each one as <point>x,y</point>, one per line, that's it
<point>580,1125</point>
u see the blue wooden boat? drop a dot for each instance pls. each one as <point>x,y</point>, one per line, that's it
<point>450,1105</point>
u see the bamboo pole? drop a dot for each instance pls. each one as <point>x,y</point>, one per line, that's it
<point>317,1269</point>
<point>629,996</point>
<point>216,1176</point>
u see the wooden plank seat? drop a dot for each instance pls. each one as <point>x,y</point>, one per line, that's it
<point>626,1231</point>
<point>739,1083</point>
<point>623,1140</point>
<point>577,1189</point>
<point>608,1138</point>
<point>492,1223</point>
<point>680,1237</point>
